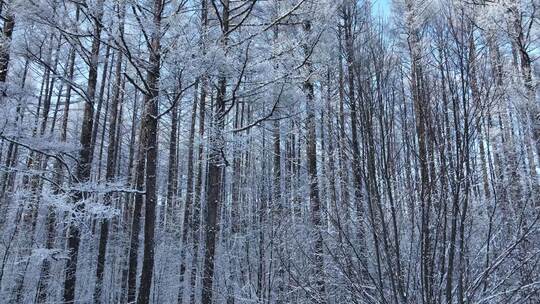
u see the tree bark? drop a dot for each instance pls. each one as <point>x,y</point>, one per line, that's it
<point>7,32</point>
<point>311,154</point>
<point>110,173</point>
<point>151,147</point>
<point>85,159</point>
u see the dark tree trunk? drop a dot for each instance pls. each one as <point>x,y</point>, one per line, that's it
<point>314,197</point>
<point>197,193</point>
<point>7,32</point>
<point>111,163</point>
<point>189,197</point>
<point>136,215</point>
<point>213,191</point>
<point>85,160</point>
<point>172,183</point>
<point>151,147</point>
<point>216,165</point>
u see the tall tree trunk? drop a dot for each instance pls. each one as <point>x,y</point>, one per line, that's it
<point>189,196</point>
<point>311,154</point>
<point>342,143</point>
<point>110,173</point>
<point>172,182</point>
<point>136,214</point>
<point>214,189</point>
<point>421,116</point>
<point>216,166</point>
<point>151,146</point>
<point>85,159</point>
<point>50,219</point>
<point>197,193</point>
<point>7,32</point>
<point>97,117</point>
<point>356,159</point>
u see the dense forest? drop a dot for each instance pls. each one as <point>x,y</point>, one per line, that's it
<point>270,151</point>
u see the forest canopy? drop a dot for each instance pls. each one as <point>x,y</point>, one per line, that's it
<point>270,151</point>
